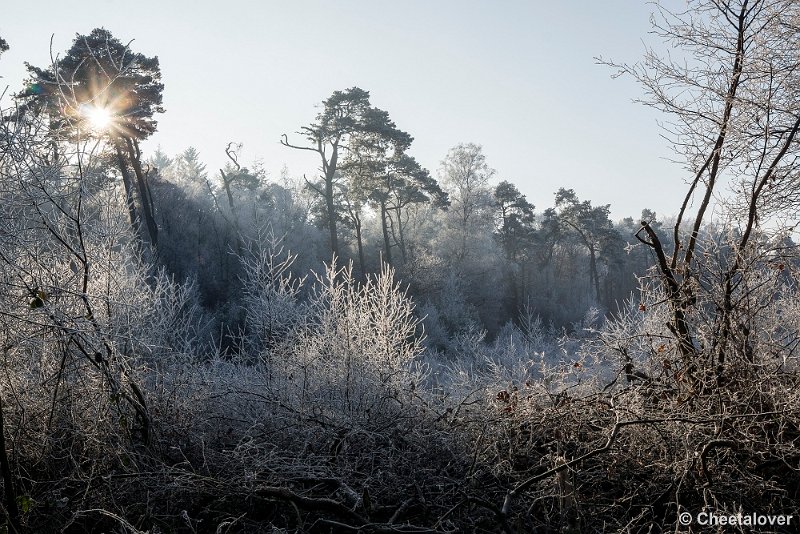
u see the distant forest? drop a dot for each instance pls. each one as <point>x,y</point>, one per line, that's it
<point>472,251</point>
<point>386,348</point>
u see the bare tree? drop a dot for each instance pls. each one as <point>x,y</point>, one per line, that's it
<point>465,174</point>
<point>734,103</point>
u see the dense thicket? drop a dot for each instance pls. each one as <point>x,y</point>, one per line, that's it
<point>383,349</point>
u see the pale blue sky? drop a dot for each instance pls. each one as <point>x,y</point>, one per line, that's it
<point>517,77</point>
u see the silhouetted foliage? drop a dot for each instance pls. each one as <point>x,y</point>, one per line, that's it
<point>100,75</point>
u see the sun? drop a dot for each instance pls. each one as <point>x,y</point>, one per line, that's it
<point>100,118</point>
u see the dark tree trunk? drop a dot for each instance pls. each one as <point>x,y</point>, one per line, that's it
<point>331,209</point>
<point>330,173</point>
<point>144,192</point>
<point>387,246</point>
<point>679,325</point>
<point>401,241</point>
<point>226,182</point>
<point>593,272</point>
<point>357,225</point>
<point>127,181</point>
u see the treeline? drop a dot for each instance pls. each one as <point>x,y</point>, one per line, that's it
<point>474,252</point>
<point>471,248</point>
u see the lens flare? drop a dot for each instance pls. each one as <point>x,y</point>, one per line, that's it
<point>100,118</point>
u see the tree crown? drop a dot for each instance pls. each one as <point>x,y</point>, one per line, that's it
<point>99,72</point>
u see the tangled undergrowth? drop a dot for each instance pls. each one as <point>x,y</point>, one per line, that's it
<point>344,423</point>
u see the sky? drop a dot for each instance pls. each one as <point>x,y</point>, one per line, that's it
<point>519,78</point>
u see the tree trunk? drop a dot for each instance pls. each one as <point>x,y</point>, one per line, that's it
<point>679,325</point>
<point>227,185</point>
<point>523,282</point>
<point>357,224</point>
<point>128,183</point>
<point>226,182</point>
<point>330,173</point>
<point>144,192</point>
<point>593,272</point>
<point>401,241</point>
<point>386,242</point>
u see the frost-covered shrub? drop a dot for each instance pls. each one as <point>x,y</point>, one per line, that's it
<point>436,335</point>
<point>456,314</point>
<point>271,294</point>
<point>355,354</point>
